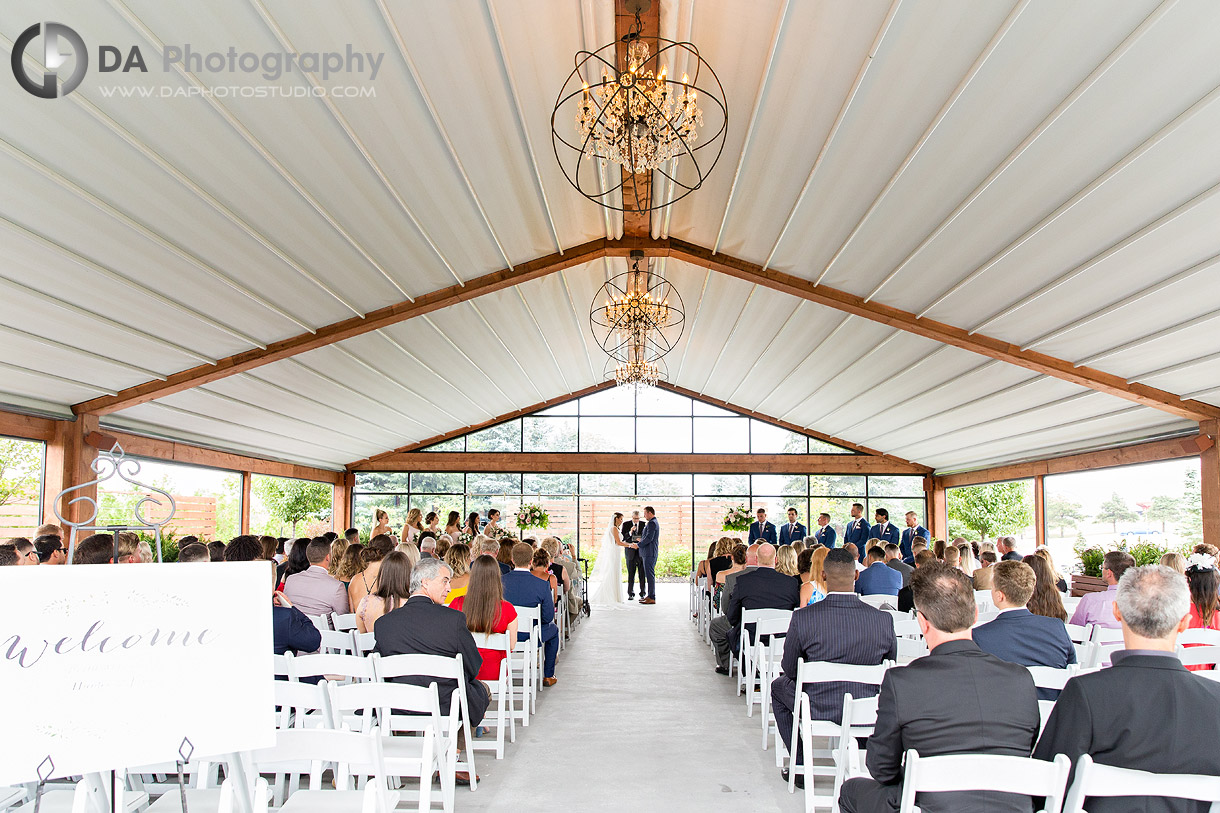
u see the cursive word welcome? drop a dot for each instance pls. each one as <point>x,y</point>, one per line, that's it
<point>94,642</point>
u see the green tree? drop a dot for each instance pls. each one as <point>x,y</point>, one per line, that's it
<point>1191,526</point>
<point>1115,510</point>
<point>1063,513</point>
<point>293,501</point>
<point>1163,509</point>
<point>20,470</point>
<point>992,509</point>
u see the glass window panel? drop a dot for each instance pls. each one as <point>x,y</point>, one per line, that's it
<point>489,483</point>
<point>382,481</point>
<point>549,484</point>
<point>207,501</point>
<point>709,520</point>
<point>666,484</point>
<point>676,518</point>
<point>437,482</point>
<point>839,509</point>
<point>722,483</point>
<point>722,435</point>
<point>618,484</point>
<point>654,401</point>
<point>562,519</point>
<point>795,485</point>
<point>595,516</point>
<point>566,408</point>
<point>21,478</point>
<point>898,508</point>
<point>822,447</point>
<point>614,401</point>
<point>452,445</point>
<point>768,439</point>
<point>505,437</point>
<point>506,504</point>
<point>365,505</point>
<point>837,485</point>
<point>272,499</point>
<point>895,486</point>
<point>776,508</point>
<point>802,513</point>
<point>550,434</point>
<point>607,434</point>
<point>657,435</point>
<point>442,504</point>
<point>707,409</point>
<point>984,512</point>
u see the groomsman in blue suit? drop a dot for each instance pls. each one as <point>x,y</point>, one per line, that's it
<point>883,531</point>
<point>762,531</point>
<point>913,530</point>
<point>793,531</point>
<point>856,531</point>
<point>825,535</point>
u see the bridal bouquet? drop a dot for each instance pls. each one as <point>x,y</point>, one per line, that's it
<point>737,519</point>
<point>497,533</point>
<point>532,516</point>
<point>465,538</point>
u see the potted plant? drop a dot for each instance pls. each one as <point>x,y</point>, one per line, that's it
<point>1088,578</point>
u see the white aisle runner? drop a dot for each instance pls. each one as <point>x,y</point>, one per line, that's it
<point>638,722</point>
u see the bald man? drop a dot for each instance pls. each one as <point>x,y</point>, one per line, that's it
<point>765,588</point>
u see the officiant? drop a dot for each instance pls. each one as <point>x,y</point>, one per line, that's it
<point>632,531</point>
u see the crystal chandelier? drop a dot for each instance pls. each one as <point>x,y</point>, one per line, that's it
<point>637,319</point>
<point>631,113</point>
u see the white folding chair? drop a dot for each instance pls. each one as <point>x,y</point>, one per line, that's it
<point>91,792</point>
<point>348,753</point>
<point>207,795</point>
<point>987,617</point>
<point>879,599</point>
<point>1048,677</point>
<point>303,705</point>
<point>363,642</point>
<point>859,718</point>
<point>343,622</point>
<point>1085,653</point>
<point>10,797</point>
<point>322,622</point>
<point>1079,633</point>
<point>438,668</point>
<point>777,622</point>
<point>1045,707</point>
<point>280,664</point>
<point>1102,653</point>
<point>561,618</point>
<point>1096,780</point>
<point>768,657</point>
<point>1106,635</point>
<point>337,643</point>
<point>408,739</point>
<point>907,628</point>
<point>1200,635</point>
<point>335,668</point>
<point>529,620</point>
<point>974,772</point>
<point>909,649</point>
<point>501,695</point>
<point>900,616</point>
<point>1200,656</point>
<point>982,600</point>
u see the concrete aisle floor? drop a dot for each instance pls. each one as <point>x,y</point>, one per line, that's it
<point>638,721</point>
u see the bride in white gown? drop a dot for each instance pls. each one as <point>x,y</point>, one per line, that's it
<point>606,583</point>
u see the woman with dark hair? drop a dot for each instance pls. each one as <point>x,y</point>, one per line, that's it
<point>451,525</point>
<point>352,563</point>
<point>505,555</point>
<point>391,590</point>
<point>1060,584</point>
<point>297,562</point>
<point>1203,580</point>
<point>1046,599</point>
<point>472,524</point>
<point>268,543</point>
<point>737,557</point>
<point>362,583</point>
<point>487,612</point>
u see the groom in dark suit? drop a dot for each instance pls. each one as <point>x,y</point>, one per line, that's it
<point>632,530</point>
<point>650,547</point>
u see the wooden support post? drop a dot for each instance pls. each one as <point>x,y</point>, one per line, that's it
<point>68,464</point>
<point>1209,481</point>
<point>246,477</point>
<point>1039,511</point>
<point>342,507</point>
<point>938,507</point>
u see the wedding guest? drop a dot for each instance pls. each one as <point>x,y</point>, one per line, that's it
<point>722,560</point>
<point>427,547</point>
<point>425,626</point>
<point>878,579</point>
<point>297,561</point>
<point>540,566</point>
<point>564,569</point>
<point>410,550</point>
<point>1046,599</point>
<point>816,588</point>
<point>785,562</point>
<point>738,558</point>
<point>442,546</point>
<point>487,612</point>
<point>382,524</point>
<point>266,548</point>
<point>523,589</point>
<point>51,550</point>
<point>281,555</point>
<point>859,559</point>
<point>764,588</point>
<point>966,560</point>
<point>353,563</point>
<point>453,526</point>
<point>974,723</point>
<point>1173,560</point>
<point>315,591</point>
<point>1146,712</point>
<point>953,558</point>
<point>337,549</point>
<point>458,560</point>
<point>1006,546</point>
<point>505,555</point>
<point>216,551</point>
<point>1201,578</point>
<point>26,555</point>
<point>98,549</point>
<point>727,580</point>
<point>839,629</point>
<point>362,583</point>
<point>702,571</point>
<point>392,588</point>
<point>982,576</point>
<point>194,552</point>
<point>50,529</point>
<point>472,523</point>
<point>938,547</point>
<point>144,551</point>
<point>1095,608</point>
<point>1045,553</point>
<point>1017,635</point>
<point>129,549</point>
<point>486,547</point>
<point>352,535</point>
<point>893,560</point>
<point>9,558</point>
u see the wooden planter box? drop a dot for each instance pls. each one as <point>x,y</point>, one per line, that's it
<point>1087,584</point>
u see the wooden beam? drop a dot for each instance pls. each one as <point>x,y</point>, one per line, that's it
<point>792,427</point>
<point>1105,458</point>
<point>176,452</point>
<point>27,427</point>
<point>938,508</point>
<point>348,328</point>
<point>247,499</point>
<point>1039,510</point>
<point>636,187</point>
<point>944,333</point>
<point>615,463</point>
<point>1209,482</point>
<point>342,508</point>
<point>68,462</point>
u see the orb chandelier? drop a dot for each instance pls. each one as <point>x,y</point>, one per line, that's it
<point>635,115</point>
<point>637,319</point>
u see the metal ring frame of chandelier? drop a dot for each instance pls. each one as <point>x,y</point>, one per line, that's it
<point>634,324</point>
<point>593,183</point>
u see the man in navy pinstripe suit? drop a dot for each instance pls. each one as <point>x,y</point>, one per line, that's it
<point>841,629</point>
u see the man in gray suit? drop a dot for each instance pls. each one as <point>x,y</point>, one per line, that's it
<point>650,548</point>
<point>314,591</point>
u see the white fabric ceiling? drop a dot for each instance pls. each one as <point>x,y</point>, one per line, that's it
<point>1044,173</point>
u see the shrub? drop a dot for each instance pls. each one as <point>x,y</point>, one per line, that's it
<point>1090,559</point>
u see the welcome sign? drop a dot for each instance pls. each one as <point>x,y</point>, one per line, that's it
<point>115,666</point>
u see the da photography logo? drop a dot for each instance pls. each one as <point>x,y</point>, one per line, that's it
<point>54,37</point>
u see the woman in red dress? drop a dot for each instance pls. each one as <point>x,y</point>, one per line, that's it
<point>487,611</point>
<point>1203,579</point>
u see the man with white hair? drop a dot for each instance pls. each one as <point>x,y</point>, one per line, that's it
<point>427,548</point>
<point>1007,547</point>
<point>1146,712</point>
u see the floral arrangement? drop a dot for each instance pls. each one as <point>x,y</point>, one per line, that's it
<point>497,532</point>
<point>1201,561</point>
<point>465,538</point>
<point>737,519</point>
<point>532,516</point>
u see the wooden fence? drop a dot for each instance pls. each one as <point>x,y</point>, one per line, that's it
<point>194,515</point>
